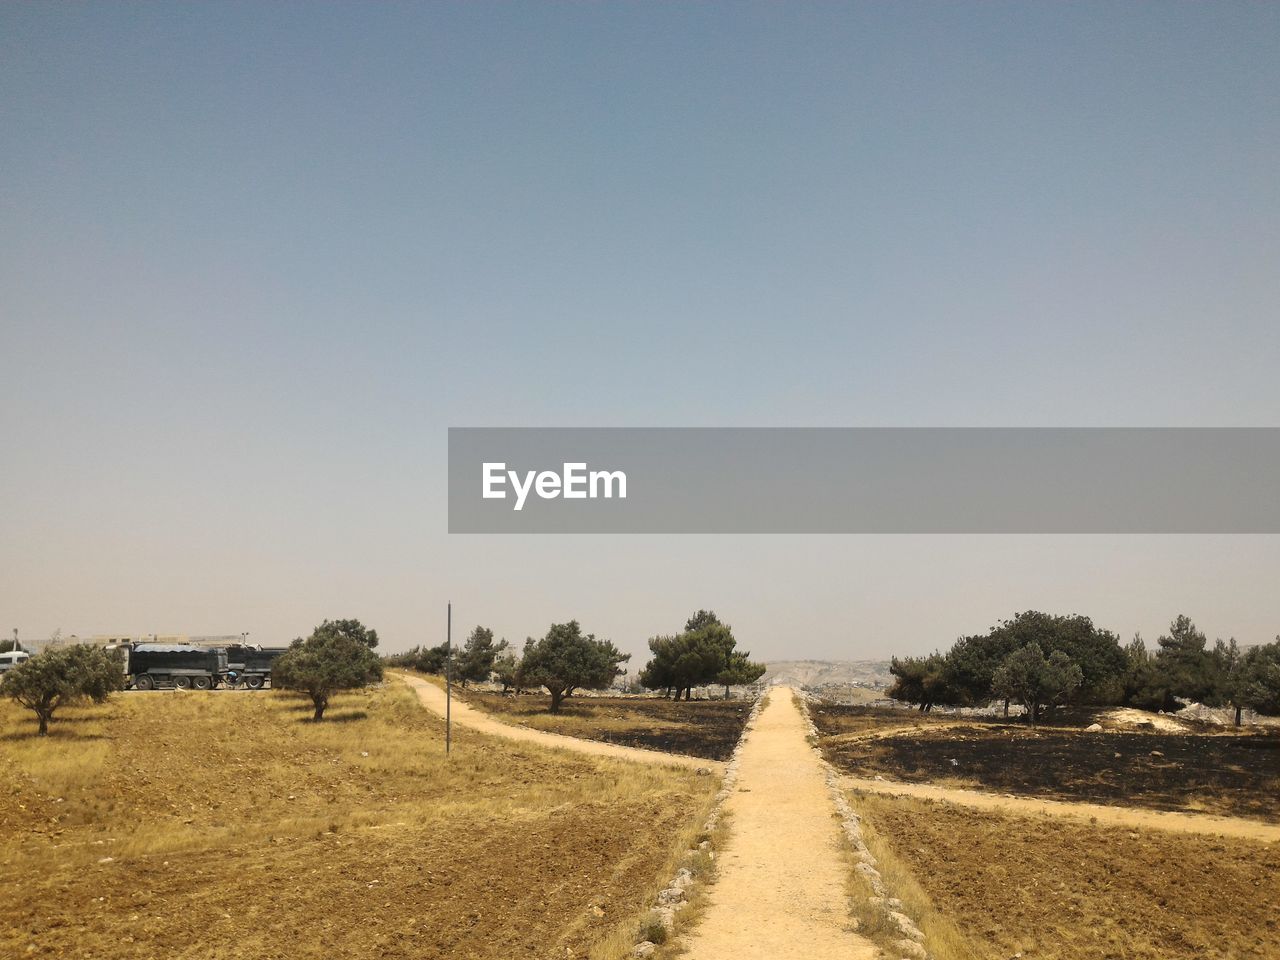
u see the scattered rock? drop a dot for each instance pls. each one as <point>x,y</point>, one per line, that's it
<point>1093,728</point>
<point>644,948</point>
<point>1157,755</point>
<point>910,949</point>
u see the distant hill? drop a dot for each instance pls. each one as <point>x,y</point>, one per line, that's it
<point>813,674</point>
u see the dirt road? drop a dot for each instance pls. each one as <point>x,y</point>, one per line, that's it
<point>1111,816</point>
<point>780,892</point>
<point>433,698</point>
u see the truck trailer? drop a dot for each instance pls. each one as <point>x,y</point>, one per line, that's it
<point>148,666</point>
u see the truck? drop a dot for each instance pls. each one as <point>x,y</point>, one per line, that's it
<point>250,665</point>
<point>148,666</point>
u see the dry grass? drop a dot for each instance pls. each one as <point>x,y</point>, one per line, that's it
<point>236,828</point>
<point>1055,890</point>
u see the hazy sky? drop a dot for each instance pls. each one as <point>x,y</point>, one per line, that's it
<point>256,258</point>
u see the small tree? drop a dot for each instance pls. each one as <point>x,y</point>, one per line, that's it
<point>64,675</point>
<point>922,680</point>
<point>1026,677</point>
<point>506,668</point>
<point>740,671</point>
<point>565,660</point>
<point>337,656</point>
<point>475,661</point>
<point>1254,682</point>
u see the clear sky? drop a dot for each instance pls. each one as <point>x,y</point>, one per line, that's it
<point>256,258</point>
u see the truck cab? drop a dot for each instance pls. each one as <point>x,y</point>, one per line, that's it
<point>11,658</point>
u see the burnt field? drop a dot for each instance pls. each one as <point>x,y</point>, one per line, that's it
<point>1229,774</point>
<point>698,728</point>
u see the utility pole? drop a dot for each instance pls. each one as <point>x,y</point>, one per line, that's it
<point>448,679</point>
<point>15,638</point>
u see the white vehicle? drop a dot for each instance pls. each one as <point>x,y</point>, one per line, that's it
<point>12,658</point>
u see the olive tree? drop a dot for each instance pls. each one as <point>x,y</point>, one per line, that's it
<point>60,676</point>
<point>1028,678</point>
<point>565,660</point>
<point>337,656</point>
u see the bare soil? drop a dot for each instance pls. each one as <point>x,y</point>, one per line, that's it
<point>228,826</point>
<point>1224,773</point>
<point>1049,889</point>
<point>699,728</point>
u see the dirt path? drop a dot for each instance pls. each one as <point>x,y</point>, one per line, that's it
<point>1106,815</point>
<point>780,890</point>
<point>433,698</point>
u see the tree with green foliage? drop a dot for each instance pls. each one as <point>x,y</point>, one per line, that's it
<point>506,668</point>
<point>1029,678</point>
<point>337,656</point>
<point>701,655</point>
<point>350,629</point>
<point>565,660</point>
<point>1139,673</point>
<point>60,676</point>
<point>1254,681</point>
<point>475,660</point>
<point>701,620</point>
<point>923,681</point>
<point>740,671</point>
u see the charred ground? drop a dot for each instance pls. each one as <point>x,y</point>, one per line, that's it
<point>1225,773</point>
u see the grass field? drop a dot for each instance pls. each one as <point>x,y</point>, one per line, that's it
<point>227,825</point>
<point>1054,890</point>
<point>699,728</point>
<point>1220,772</point>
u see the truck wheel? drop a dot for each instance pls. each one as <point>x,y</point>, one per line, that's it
<point>182,683</point>
<point>254,683</point>
<point>201,683</point>
<point>144,682</point>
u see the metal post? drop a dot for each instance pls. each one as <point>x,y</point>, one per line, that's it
<point>448,679</point>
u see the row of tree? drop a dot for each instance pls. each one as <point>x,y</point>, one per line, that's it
<point>565,660</point>
<point>1041,660</point>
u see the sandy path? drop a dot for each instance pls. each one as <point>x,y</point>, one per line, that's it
<point>433,698</point>
<point>780,890</point>
<point>1106,815</point>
